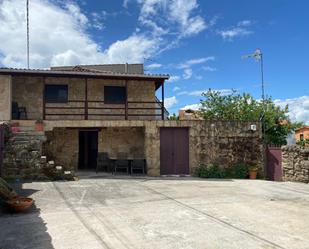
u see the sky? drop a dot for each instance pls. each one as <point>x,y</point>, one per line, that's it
<point>200,44</point>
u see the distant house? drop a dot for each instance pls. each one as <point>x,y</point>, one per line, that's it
<point>115,111</point>
<point>189,114</point>
<point>302,133</point>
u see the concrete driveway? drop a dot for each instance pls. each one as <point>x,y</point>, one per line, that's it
<point>160,213</point>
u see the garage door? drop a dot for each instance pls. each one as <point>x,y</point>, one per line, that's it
<point>174,151</point>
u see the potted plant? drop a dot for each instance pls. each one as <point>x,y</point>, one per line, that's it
<point>39,125</point>
<point>253,171</point>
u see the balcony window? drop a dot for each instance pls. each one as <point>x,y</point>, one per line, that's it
<point>56,93</point>
<point>114,95</point>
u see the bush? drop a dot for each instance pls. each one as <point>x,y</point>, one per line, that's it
<point>210,171</point>
<point>238,171</point>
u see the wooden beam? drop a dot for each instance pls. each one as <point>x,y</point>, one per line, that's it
<point>86,98</point>
<point>44,100</point>
<point>162,104</point>
<point>126,104</point>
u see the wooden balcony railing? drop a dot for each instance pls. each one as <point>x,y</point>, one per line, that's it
<point>97,110</point>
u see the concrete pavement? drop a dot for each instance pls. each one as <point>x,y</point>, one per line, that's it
<point>160,213</point>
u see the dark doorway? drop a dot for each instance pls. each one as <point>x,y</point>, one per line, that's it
<point>1,147</point>
<point>88,150</point>
<point>174,151</point>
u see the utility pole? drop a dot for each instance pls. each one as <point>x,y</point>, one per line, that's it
<point>27,14</point>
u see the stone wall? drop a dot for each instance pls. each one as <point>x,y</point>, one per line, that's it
<point>122,139</point>
<point>28,92</point>
<point>62,146</point>
<point>295,163</point>
<point>225,143</point>
<point>5,98</point>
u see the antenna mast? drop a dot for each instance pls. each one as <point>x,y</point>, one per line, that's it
<point>27,11</point>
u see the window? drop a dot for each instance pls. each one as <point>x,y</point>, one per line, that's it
<point>114,95</point>
<point>301,137</point>
<point>56,93</point>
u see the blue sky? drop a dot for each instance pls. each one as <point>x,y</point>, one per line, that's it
<point>199,43</point>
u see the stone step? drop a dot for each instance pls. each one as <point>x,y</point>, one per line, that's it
<point>26,128</point>
<point>27,139</point>
<point>29,133</point>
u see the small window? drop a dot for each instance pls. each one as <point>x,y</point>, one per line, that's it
<point>301,137</point>
<point>114,95</point>
<point>56,93</point>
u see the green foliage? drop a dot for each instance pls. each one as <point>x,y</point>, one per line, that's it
<point>303,142</point>
<point>243,107</point>
<point>210,171</point>
<point>173,117</point>
<point>238,171</point>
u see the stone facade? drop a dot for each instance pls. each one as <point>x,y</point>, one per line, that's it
<point>225,143</point>
<point>295,163</point>
<point>22,155</point>
<point>61,146</point>
<point>28,93</point>
<point>5,97</point>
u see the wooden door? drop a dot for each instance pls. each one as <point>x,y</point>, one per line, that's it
<point>174,151</point>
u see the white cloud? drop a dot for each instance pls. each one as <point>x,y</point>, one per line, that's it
<point>209,69</point>
<point>174,78</point>
<point>168,15</point>
<point>191,107</point>
<point>187,73</point>
<point>154,66</point>
<point>176,88</point>
<point>198,93</point>
<point>58,37</point>
<point>195,61</point>
<point>298,108</point>
<point>170,102</point>
<point>241,29</point>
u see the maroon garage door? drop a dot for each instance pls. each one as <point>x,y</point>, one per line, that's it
<point>174,151</point>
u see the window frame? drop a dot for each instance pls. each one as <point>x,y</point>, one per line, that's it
<point>56,101</point>
<point>109,102</point>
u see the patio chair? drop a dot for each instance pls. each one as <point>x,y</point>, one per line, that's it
<point>122,162</point>
<point>103,162</point>
<point>138,165</point>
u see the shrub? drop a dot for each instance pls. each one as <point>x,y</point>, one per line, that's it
<point>238,171</point>
<point>210,171</point>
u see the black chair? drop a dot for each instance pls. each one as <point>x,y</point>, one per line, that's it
<point>122,162</point>
<point>138,165</point>
<point>103,162</point>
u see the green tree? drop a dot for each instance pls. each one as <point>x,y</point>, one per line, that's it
<point>243,107</point>
<point>173,117</point>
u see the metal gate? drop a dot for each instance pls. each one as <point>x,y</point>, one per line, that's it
<point>1,147</point>
<point>174,151</point>
<point>274,164</point>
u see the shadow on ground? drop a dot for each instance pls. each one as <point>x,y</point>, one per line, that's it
<point>23,230</point>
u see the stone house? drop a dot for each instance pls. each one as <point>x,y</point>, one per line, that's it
<point>111,108</point>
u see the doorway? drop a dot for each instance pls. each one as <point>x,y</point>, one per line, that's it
<point>88,150</point>
<point>174,151</point>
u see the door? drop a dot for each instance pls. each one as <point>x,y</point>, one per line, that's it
<point>88,150</point>
<point>1,147</point>
<point>274,164</point>
<point>174,151</point>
